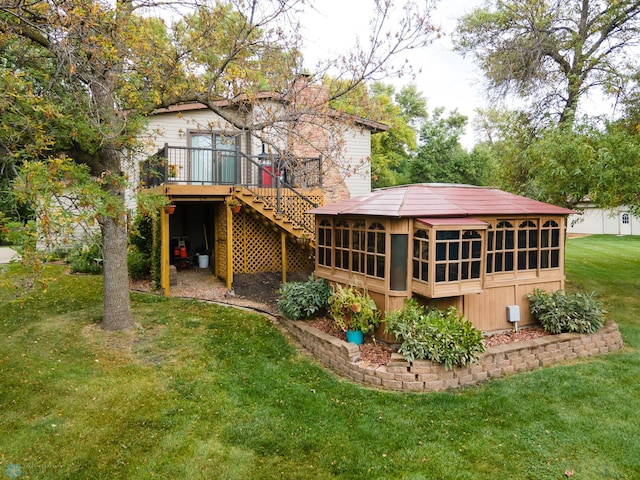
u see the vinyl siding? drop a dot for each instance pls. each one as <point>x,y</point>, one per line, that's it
<point>357,153</point>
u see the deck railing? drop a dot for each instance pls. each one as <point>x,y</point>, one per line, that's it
<point>274,179</point>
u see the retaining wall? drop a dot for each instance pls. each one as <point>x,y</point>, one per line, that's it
<point>426,376</point>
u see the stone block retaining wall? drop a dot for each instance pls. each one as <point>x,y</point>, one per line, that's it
<point>426,376</point>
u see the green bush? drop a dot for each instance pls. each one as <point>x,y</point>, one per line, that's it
<point>86,259</point>
<point>431,334</point>
<point>353,309</point>
<point>560,312</point>
<point>139,264</point>
<point>303,300</point>
<point>141,235</point>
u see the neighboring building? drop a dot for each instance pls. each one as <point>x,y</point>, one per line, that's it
<point>593,220</point>
<point>206,163</point>
<point>479,249</point>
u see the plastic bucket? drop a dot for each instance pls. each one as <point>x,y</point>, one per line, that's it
<point>203,261</point>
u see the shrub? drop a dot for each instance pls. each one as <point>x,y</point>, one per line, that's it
<point>303,300</point>
<point>86,259</point>
<point>141,235</point>
<point>430,334</point>
<point>139,264</point>
<point>560,312</point>
<point>353,309</point>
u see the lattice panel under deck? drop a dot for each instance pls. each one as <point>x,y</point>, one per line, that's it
<point>299,257</point>
<point>257,248</point>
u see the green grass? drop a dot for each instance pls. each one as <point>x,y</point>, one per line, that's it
<point>202,391</point>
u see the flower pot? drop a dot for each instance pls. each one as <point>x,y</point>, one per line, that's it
<point>236,208</point>
<point>355,336</point>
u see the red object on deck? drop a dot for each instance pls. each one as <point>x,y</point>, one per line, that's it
<point>266,179</point>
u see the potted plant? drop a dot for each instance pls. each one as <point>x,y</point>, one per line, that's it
<point>354,311</point>
<point>235,205</point>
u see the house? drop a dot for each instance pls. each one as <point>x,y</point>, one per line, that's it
<point>270,159</point>
<point>479,249</point>
<point>594,220</point>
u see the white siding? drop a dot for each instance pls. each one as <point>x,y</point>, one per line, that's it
<point>357,154</point>
<point>595,221</point>
<point>173,129</point>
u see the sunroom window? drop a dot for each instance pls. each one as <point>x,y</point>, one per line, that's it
<point>458,255</point>
<point>533,245</point>
<point>500,248</point>
<point>359,248</point>
<point>550,245</point>
<point>325,243</point>
<point>421,255</point>
<point>528,245</point>
<point>448,258</point>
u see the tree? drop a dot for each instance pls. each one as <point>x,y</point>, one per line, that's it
<point>391,151</point>
<point>441,158</point>
<point>105,66</point>
<point>552,54</point>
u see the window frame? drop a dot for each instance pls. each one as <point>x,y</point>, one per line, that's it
<point>523,250</point>
<point>436,255</point>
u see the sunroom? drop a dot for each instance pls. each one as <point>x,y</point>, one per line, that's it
<point>479,249</point>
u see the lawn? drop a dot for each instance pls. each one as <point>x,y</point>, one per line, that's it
<point>201,391</point>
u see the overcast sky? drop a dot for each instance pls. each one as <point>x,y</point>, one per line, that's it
<point>446,80</point>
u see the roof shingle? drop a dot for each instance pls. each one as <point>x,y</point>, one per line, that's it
<point>439,200</point>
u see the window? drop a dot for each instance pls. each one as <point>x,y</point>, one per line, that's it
<point>458,255</point>
<point>360,249</point>
<point>213,157</point>
<point>376,250</point>
<point>625,219</point>
<point>528,245</point>
<point>342,245</point>
<point>550,245</point>
<point>421,255</point>
<point>501,248</point>
<point>324,243</point>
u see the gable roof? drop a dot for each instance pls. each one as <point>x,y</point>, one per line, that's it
<point>372,125</point>
<point>436,200</point>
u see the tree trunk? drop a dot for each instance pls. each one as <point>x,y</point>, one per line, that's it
<point>117,304</point>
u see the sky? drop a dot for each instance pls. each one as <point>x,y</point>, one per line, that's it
<point>446,79</point>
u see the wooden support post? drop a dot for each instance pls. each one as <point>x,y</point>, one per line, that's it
<point>283,248</point>
<point>164,252</point>
<point>229,249</point>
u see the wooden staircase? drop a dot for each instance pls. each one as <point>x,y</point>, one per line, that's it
<point>285,213</point>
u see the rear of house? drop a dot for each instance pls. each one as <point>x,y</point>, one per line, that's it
<point>239,197</point>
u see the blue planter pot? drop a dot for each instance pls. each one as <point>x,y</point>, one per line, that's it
<point>355,336</point>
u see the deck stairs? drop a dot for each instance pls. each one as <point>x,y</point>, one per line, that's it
<point>281,212</point>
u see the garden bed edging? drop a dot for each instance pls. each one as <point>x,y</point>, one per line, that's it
<point>426,376</point>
